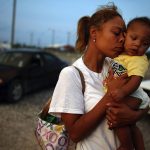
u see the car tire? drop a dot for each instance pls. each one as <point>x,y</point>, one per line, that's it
<point>15,91</point>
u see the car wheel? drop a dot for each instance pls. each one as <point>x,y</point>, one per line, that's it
<point>15,92</point>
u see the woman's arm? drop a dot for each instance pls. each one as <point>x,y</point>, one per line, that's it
<point>79,126</point>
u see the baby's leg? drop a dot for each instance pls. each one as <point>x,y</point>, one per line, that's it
<point>128,136</point>
<point>125,138</point>
<point>137,138</point>
<point>137,135</point>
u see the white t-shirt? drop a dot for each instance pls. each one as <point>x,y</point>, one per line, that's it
<point>68,98</point>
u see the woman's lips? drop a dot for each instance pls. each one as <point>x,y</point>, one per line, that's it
<point>119,49</point>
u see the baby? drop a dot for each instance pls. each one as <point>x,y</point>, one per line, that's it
<point>134,62</point>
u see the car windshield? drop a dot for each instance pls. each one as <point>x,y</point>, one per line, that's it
<point>14,59</point>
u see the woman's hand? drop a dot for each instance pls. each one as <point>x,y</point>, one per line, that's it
<point>119,114</point>
<point>116,83</point>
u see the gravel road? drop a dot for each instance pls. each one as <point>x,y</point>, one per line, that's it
<point>17,123</point>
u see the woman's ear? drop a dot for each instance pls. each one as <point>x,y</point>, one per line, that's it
<point>93,33</point>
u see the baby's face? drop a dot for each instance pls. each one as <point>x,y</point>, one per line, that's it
<point>137,40</point>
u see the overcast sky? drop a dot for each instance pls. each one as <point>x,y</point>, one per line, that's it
<point>46,22</point>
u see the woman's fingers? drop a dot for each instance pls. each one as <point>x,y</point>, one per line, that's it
<point>115,82</point>
<point>113,104</point>
<point>110,77</point>
<point>111,118</point>
<point>113,113</point>
<point>124,76</point>
<point>120,114</point>
<point>111,123</point>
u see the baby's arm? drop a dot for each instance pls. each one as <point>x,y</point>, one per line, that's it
<point>135,65</point>
<point>131,86</point>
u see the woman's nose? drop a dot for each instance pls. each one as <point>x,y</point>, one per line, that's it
<point>122,38</point>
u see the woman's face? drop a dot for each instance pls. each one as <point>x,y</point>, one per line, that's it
<point>110,37</point>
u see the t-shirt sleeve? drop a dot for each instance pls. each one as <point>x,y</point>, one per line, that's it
<point>137,66</point>
<point>68,96</point>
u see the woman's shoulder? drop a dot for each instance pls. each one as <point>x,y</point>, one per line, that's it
<point>78,62</point>
<point>69,72</point>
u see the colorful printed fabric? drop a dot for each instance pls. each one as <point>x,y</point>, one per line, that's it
<point>50,136</point>
<point>118,69</point>
<point>53,136</point>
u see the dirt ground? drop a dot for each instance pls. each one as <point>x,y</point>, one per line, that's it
<point>18,121</point>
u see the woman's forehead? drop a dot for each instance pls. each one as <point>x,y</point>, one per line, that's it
<point>116,22</point>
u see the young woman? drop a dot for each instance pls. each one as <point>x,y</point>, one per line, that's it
<point>99,36</point>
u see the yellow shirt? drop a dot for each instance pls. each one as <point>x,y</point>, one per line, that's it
<point>135,65</point>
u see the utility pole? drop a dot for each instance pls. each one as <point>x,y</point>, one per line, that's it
<point>31,38</point>
<point>13,23</point>
<point>68,37</point>
<point>39,42</point>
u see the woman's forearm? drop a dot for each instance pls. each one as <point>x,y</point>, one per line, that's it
<point>79,126</point>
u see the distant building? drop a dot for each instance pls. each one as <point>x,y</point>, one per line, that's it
<point>68,48</point>
<point>4,45</point>
<point>62,48</point>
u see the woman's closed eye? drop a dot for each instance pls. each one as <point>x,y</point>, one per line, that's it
<point>116,33</point>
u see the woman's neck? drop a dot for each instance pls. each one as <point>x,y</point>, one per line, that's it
<point>93,60</point>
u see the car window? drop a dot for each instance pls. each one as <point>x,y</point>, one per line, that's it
<point>36,60</point>
<point>50,58</point>
<point>14,59</point>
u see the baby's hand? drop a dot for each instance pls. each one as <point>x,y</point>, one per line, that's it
<point>117,94</point>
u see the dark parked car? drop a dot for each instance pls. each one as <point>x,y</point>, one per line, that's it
<point>23,70</point>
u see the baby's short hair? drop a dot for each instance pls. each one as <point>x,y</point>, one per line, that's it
<point>143,20</point>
